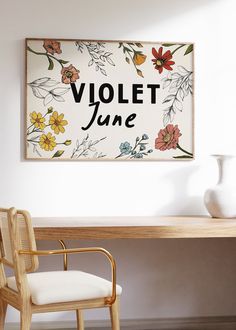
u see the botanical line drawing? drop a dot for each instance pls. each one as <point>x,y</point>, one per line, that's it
<point>168,138</point>
<point>37,135</point>
<point>133,55</point>
<point>109,100</point>
<point>138,150</point>
<point>51,47</point>
<point>44,88</point>
<point>180,85</point>
<point>99,57</point>
<point>87,147</point>
<point>69,74</point>
<point>188,50</point>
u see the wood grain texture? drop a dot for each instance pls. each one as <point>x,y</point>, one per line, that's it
<point>136,227</point>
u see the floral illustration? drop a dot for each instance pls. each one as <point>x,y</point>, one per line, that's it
<point>69,74</point>
<point>162,61</point>
<point>139,58</point>
<point>133,55</point>
<point>47,142</point>
<point>138,151</point>
<point>188,50</point>
<point>52,46</point>
<point>168,138</point>
<point>180,85</point>
<point>99,57</point>
<point>44,88</point>
<point>125,148</point>
<point>109,100</point>
<point>87,147</point>
<point>37,120</point>
<point>36,135</point>
<point>57,122</point>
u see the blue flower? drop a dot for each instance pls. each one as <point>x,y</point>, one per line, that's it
<point>145,137</point>
<point>138,155</point>
<point>125,148</point>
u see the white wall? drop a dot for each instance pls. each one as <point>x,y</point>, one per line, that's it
<point>167,278</point>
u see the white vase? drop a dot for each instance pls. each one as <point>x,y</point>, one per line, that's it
<point>220,200</point>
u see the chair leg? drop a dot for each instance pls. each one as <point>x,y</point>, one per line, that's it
<point>80,319</point>
<point>114,312</point>
<point>3,311</point>
<point>25,319</point>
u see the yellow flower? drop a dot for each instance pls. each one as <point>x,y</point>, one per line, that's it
<point>47,142</point>
<point>37,120</point>
<point>139,58</point>
<point>56,121</point>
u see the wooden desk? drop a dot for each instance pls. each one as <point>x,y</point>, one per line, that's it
<point>62,228</point>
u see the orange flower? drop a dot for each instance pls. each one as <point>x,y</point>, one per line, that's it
<point>69,74</point>
<point>139,58</point>
<point>168,138</point>
<point>52,46</point>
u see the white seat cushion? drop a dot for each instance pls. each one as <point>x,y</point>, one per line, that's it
<point>62,286</point>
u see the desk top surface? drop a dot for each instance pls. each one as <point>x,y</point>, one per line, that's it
<point>132,227</point>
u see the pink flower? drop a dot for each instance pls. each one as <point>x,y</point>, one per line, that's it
<point>52,46</point>
<point>69,74</point>
<point>168,138</point>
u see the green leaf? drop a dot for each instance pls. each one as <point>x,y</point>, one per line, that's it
<point>63,62</point>
<point>51,64</point>
<point>58,153</point>
<point>183,157</point>
<point>126,49</point>
<point>138,44</point>
<point>189,49</point>
<point>168,45</point>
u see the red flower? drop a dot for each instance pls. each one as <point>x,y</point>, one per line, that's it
<point>162,60</point>
<point>69,74</point>
<point>52,46</point>
<point>168,138</point>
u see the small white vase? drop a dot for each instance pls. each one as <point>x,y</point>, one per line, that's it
<point>220,200</point>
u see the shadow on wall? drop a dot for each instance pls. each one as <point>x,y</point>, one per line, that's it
<point>182,203</point>
<point>114,17</point>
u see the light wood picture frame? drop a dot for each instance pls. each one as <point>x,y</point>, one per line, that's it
<point>109,100</point>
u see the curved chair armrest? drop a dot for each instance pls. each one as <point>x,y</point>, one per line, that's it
<point>109,300</point>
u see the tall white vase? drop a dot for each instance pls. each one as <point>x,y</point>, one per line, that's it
<point>220,200</point>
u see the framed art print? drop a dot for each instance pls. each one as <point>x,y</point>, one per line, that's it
<point>109,100</point>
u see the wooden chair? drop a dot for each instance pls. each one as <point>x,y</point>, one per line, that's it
<point>38,292</point>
